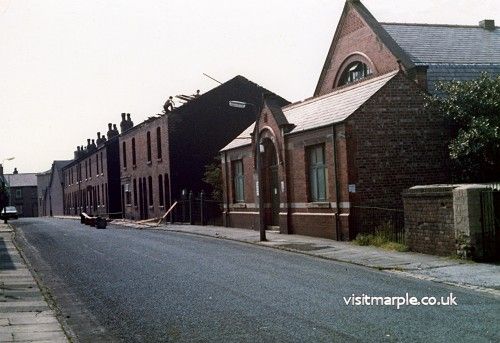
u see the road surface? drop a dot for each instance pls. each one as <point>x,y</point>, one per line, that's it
<point>147,286</point>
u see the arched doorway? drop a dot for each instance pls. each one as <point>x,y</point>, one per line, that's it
<point>270,184</point>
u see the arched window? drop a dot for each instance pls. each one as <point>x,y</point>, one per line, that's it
<point>354,71</point>
<point>158,142</point>
<point>148,142</point>
<point>133,152</point>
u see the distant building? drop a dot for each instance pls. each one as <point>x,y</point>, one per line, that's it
<point>50,190</point>
<point>92,179</point>
<point>23,193</point>
<point>336,164</point>
<point>42,181</point>
<point>166,155</point>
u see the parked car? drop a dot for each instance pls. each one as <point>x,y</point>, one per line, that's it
<point>9,212</point>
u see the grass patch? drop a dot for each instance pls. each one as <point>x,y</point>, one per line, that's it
<point>382,238</point>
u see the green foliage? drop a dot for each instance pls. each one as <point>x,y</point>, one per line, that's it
<point>473,107</point>
<point>213,176</point>
<point>382,238</point>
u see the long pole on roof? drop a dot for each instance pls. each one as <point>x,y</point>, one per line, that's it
<point>212,78</point>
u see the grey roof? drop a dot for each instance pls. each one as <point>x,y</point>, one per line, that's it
<point>457,72</point>
<point>324,110</point>
<point>453,44</point>
<point>21,180</point>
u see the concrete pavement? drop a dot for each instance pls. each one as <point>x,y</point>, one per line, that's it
<point>25,315</point>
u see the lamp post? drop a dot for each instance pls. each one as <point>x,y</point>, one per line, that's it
<point>262,229</point>
<point>8,187</point>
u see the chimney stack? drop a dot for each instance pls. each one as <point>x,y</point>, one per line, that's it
<point>129,122</point>
<point>487,24</point>
<point>1,170</point>
<point>110,130</point>
<point>123,124</point>
<point>15,171</point>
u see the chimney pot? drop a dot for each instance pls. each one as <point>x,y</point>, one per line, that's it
<point>114,127</point>
<point>98,135</point>
<point>123,116</point>
<point>109,126</point>
<point>487,24</point>
<point>15,171</point>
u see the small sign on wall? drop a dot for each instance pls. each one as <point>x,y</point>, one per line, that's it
<point>352,188</point>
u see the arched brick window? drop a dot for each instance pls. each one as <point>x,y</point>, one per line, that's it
<point>354,71</point>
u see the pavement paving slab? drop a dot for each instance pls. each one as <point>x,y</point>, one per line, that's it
<point>25,315</point>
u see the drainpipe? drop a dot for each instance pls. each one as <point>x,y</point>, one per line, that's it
<point>337,193</point>
<point>227,189</point>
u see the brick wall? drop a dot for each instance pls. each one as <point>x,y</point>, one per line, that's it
<point>393,144</point>
<point>144,168</point>
<point>357,38</point>
<point>429,220</point>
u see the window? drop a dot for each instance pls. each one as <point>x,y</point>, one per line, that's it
<point>86,170</point>
<point>124,155</point>
<point>90,167</point>
<point>97,163</point>
<point>148,139</point>
<point>128,194</point>
<point>150,186</point>
<point>167,190</point>
<point>135,192</point>
<point>239,181</point>
<point>317,173</point>
<point>158,142</point>
<point>133,152</point>
<point>102,165</point>
<point>353,72</point>
<point>160,188</point>
<point>19,193</point>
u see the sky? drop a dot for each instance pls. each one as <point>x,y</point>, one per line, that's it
<point>67,68</point>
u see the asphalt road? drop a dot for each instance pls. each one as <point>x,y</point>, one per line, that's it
<point>147,286</point>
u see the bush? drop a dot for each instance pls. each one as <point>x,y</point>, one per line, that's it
<point>382,238</point>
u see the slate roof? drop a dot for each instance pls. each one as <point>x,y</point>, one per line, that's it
<point>21,180</point>
<point>324,110</point>
<point>452,44</point>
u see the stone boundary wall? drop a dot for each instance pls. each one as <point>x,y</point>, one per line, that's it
<point>429,219</point>
<point>451,220</point>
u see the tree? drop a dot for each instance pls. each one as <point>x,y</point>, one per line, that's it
<point>213,176</point>
<point>473,107</point>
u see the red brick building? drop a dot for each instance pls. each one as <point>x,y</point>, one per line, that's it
<point>92,178</point>
<point>167,154</point>
<point>364,137</point>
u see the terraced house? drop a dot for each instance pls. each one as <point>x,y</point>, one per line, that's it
<point>331,162</point>
<point>165,156</point>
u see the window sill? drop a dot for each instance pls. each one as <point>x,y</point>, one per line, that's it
<point>318,204</point>
<point>128,205</point>
<point>151,207</point>
<point>239,205</point>
<point>134,166</point>
<point>159,160</point>
<point>148,163</point>
<point>125,168</point>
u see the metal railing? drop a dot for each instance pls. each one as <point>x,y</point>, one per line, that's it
<point>385,221</point>
<point>197,210</point>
